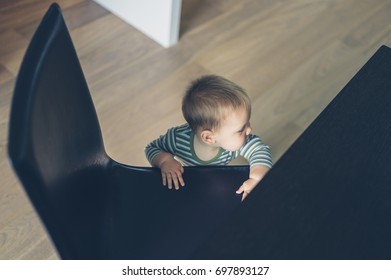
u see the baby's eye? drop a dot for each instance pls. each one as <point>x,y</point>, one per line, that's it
<point>243,129</point>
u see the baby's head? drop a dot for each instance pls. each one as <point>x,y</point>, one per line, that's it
<point>211,101</point>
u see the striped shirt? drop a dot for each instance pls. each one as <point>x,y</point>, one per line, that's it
<point>178,141</point>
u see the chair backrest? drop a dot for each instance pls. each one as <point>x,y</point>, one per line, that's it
<point>55,142</point>
<point>328,197</point>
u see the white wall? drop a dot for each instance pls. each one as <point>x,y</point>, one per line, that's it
<point>158,19</point>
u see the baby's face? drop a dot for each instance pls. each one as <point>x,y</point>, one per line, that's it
<point>234,130</point>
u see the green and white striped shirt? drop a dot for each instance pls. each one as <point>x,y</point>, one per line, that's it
<point>178,141</point>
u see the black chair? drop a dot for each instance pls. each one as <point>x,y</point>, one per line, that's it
<point>328,197</point>
<point>92,206</point>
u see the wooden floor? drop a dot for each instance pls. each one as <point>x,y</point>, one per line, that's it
<point>293,57</point>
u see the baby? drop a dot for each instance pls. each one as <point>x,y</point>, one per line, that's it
<point>217,131</point>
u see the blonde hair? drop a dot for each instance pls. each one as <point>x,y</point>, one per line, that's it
<point>209,99</point>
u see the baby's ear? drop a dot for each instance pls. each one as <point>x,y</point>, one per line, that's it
<point>207,136</point>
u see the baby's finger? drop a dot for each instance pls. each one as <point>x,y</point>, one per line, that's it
<point>175,180</point>
<point>169,180</point>
<point>245,194</point>
<point>164,179</point>
<point>180,179</point>
<point>240,190</point>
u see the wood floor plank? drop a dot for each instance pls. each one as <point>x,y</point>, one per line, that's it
<point>15,14</point>
<point>20,236</point>
<point>11,40</point>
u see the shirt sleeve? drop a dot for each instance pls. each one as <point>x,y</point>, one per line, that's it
<point>165,143</point>
<point>256,152</point>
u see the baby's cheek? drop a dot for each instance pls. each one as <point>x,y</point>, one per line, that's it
<point>238,144</point>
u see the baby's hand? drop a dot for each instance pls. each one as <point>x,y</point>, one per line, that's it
<point>247,187</point>
<point>256,174</point>
<point>172,172</point>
